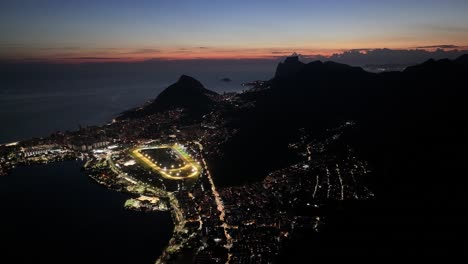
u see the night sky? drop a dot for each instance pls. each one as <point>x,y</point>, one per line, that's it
<point>90,30</point>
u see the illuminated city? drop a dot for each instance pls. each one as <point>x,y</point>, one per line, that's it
<point>232,132</point>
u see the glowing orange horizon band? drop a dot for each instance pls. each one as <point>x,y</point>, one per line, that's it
<point>182,54</point>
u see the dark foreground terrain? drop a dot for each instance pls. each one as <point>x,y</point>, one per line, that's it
<point>410,127</point>
<point>324,159</point>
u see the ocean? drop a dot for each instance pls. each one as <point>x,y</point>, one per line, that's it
<point>36,100</point>
<point>54,213</point>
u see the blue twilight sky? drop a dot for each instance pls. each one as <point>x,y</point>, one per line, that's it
<point>222,29</point>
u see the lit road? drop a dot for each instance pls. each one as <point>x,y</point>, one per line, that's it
<point>328,183</point>
<point>341,181</point>
<point>219,204</point>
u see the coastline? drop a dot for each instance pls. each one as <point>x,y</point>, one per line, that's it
<point>98,212</point>
<point>129,188</point>
<point>177,216</point>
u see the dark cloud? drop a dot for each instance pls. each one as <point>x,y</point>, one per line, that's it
<point>12,45</point>
<point>33,59</point>
<point>61,48</point>
<point>389,56</point>
<point>280,52</point>
<point>98,58</point>
<point>203,47</point>
<point>445,46</point>
<point>144,51</point>
<point>182,50</point>
<point>362,49</point>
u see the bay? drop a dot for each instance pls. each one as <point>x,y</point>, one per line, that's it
<point>54,213</point>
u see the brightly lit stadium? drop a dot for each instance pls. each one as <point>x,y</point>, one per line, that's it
<point>170,161</point>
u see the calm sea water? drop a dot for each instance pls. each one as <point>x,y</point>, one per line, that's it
<point>36,100</point>
<point>55,214</point>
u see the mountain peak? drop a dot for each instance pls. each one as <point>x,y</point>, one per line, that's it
<point>434,66</point>
<point>289,67</point>
<point>188,85</point>
<point>187,93</point>
<point>292,59</point>
<point>188,82</point>
<point>186,78</point>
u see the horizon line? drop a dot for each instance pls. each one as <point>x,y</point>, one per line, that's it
<point>269,56</point>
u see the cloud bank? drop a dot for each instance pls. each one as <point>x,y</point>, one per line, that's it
<point>361,57</point>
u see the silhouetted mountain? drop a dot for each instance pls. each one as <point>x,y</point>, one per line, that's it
<point>187,93</point>
<point>411,127</point>
<point>444,65</point>
<point>317,72</point>
<point>324,94</point>
<point>289,67</point>
<point>463,59</point>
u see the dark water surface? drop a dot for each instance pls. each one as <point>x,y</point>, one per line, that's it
<point>55,214</point>
<point>36,100</point>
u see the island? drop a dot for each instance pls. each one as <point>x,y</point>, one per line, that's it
<point>226,79</point>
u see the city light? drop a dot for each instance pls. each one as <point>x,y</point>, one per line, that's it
<point>186,169</point>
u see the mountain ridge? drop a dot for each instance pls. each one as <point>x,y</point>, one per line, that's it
<point>187,93</point>
<point>410,128</point>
